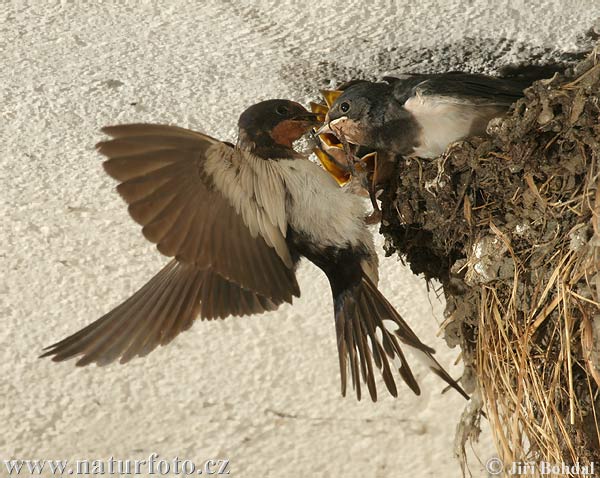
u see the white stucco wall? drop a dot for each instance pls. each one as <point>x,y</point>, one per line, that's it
<point>260,391</point>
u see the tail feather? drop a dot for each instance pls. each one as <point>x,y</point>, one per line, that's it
<point>527,74</point>
<point>364,338</point>
<point>423,352</point>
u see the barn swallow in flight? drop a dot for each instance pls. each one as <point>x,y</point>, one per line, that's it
<point>236,220</point>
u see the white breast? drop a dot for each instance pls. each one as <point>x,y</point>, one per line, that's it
<point>443,121</point>
<point>320,209</point>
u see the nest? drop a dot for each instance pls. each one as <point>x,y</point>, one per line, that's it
<point>509,225</point>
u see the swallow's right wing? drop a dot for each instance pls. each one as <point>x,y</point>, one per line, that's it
<point>218,211</point>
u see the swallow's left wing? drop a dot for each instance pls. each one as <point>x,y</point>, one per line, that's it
<point>218,211</point>
<point>205,203</point>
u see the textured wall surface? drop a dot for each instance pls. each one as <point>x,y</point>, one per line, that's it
<point>260,391</point>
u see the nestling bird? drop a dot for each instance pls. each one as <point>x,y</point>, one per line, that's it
<point>414,115</point>
<point>421,114</point>
<point>237,219</point>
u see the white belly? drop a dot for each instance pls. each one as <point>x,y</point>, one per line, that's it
<point>320,209</point>
<point>442,122</point>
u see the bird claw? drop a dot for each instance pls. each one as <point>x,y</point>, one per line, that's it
<point>373,218</point>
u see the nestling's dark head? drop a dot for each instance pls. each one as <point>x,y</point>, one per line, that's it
<point>359,108</point>
<point>270,127</point>
<point>358,100</point>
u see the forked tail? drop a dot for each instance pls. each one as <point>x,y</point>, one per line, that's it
<point>369,332</point>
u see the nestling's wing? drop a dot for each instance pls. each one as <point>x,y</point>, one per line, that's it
<point>220,214</point>
<point>474,88</point>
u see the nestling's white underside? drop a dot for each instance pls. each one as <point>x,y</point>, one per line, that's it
<point>443,121</point>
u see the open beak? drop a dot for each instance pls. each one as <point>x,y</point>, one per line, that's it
<point>325,134</point>
<point>330,149</point>
<point>330,96</point>
<point>319,110</point>
<point>325,129</point>
<point>331,164</point>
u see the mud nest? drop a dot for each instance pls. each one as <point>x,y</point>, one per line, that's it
<point>509,225</point>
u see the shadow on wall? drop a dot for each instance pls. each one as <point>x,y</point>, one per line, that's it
<point>481,55</point>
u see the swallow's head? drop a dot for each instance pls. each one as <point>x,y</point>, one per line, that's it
<point>274,124</point>
<point>355,112</point>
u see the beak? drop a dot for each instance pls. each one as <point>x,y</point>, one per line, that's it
<point>330,96</point>
<point>320,110</point>
<point>330,140</point>
<point>325,129</point>
<point>341,175</point>
<point>311,119</point>
<point>330,151</point>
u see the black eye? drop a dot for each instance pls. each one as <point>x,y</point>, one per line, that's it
<point>282,110</point>
<point>345,106</point>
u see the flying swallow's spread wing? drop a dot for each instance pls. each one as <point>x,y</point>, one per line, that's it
<point>218,211</point>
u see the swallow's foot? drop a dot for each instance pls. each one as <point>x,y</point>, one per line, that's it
<point>373,218</point>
